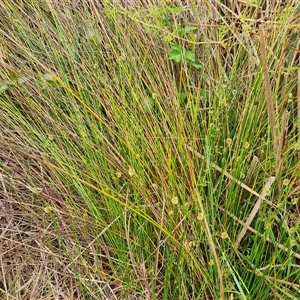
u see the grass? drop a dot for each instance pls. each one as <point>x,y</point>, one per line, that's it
<point>149,150</point>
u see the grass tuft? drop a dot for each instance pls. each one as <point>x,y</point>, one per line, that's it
<point>149,150</point>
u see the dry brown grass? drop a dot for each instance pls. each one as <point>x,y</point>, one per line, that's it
<point>39,258</point>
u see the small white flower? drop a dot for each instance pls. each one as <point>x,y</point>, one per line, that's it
<point>200,216</point>
<point>131,171</point>
<point>174,200</point>
<point>48,209</point>
<point>224,235</point>
<point>286,182</point>
<point>229,141</point>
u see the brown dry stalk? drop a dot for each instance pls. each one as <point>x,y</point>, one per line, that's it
<point>280,246</point>
<point>270,107</point>
<point>253,165</point>
<point>292,284</point>
<point>254,211</point>
<point>298,110</point>
<point>229,176</point>
<point>247,181</point>
<point>213,249</point>
<point>282,141</point>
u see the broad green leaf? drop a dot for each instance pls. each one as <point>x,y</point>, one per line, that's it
<point>4,87</point>
<point>175,55</point>
<point>180,30</point>
<point>165,20</point>
<point>48,77</point>
<point>14,76</point>
<point>186,29</point>
<point>196,64</point>
<point>189,55</point>
<point>176,9</point>
<point>176,47</point>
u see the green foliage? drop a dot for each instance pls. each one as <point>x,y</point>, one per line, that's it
<point>16,79</point>
<point>179,54</point>
<point>186,30</point>
<point>176,9</point>
<point>4,86</point>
